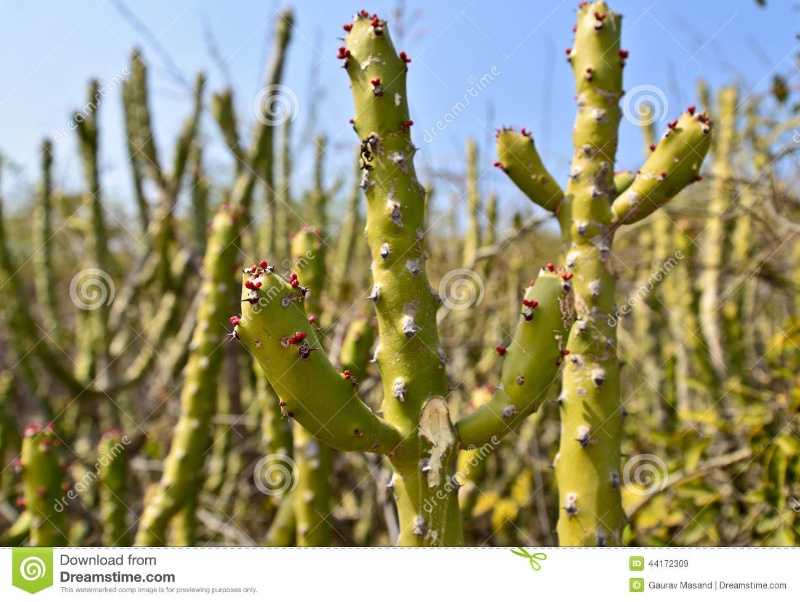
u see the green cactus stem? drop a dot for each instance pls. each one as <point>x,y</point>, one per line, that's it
<point>349,238</point>
<point>139,120</point>
<point>183,466</point>
<point>715,245</point>
<point>312,495</point>
<point>43,483</point>
<point>588,462</point>
<point>199,194</point>
<point>472,194</point>
<point>266,164</point>
<point>113,476</point>
<point>623,181</point>
<point>281,531</point>
<point>308,258</point>
<point>406,310</point>
<point>530,362</point>
<point>471,462</point>
<point>284,211</point>
<point>43,258</point>
<point>94,338</point>
<point>17,533</point>
<point>409,355</point>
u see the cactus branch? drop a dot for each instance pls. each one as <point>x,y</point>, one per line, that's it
<point>530,362</point>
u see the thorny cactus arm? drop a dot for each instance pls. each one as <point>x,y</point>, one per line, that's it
<point>94,337</point>
<point>715,234</point>
<point>199,194</point>
<point>42,483</point>
<point>260,150</point>
<point>225,116</point>
<point>284,213</point>
<point>266,134</point>
<point>135,156</point>
<point>471,464</point>
<point>308,258</point>
<point>312,497</point>
<point>276,330</point>
<point>348,237</point>
<point>530,362</point>
<point>16,311</point>
<point>409,354</point>
<point>519,158</point>
<point>673,165</point>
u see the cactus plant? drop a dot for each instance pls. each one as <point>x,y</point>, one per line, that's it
<point>416,431</point>
<point>590,211</point>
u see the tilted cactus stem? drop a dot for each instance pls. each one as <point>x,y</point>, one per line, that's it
<point>530,362</point>
<point>182,476</point>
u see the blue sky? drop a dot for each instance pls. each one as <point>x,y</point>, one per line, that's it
<point>52,48</point>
